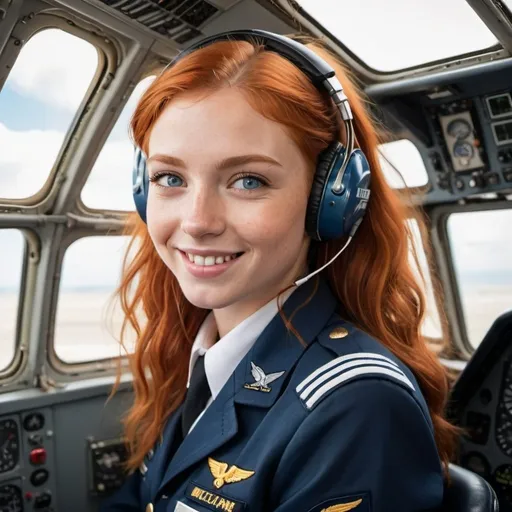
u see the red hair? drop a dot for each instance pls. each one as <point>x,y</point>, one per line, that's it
<point>376,287</point>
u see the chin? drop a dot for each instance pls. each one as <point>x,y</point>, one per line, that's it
<point>206,296</point>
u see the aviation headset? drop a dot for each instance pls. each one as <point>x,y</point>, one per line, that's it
<point>340,190</point>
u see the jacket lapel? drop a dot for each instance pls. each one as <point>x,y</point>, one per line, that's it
<point>278,348</point>
<point>217,426</point>
<point>171,436</point>
<point>276,351</point>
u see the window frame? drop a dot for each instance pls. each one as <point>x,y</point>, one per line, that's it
<point>299,15</point>
<point>432,277</point>
<point>57,368</point>
<point>107,59</point>
<point>153,65</point>
<point>30,257</point>
<point>453,296</point>
<point>424,154</point>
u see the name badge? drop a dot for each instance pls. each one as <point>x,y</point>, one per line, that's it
<point>181,507</point>
<point>213,500</point>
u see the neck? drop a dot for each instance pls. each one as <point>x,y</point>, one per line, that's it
<point>229,317</point>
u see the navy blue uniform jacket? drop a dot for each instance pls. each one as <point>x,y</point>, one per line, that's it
<point>345,427</point>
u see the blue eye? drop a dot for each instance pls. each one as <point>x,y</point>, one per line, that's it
<point>248,183</point>
<point>167,180</point>
<point>174,181</point>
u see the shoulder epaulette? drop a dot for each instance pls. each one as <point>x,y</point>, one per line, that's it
<point>345,369</point>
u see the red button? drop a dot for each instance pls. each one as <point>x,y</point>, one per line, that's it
<point>38,456</point>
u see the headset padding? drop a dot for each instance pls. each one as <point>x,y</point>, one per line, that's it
<point>324,165</point>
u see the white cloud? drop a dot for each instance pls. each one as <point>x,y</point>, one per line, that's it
<point>56,68</point>
<point>110,183</point>
<point>26,158</point>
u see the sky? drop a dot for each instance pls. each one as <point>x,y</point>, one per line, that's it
<point>54,70</point>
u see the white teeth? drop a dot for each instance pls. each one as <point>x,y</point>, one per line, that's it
<point>208,261</point>
<point>199,260</point>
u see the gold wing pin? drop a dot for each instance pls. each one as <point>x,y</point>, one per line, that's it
<point>223,475</point>
<point>343,507</point>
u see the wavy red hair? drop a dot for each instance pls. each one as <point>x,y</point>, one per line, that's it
<point>373,280</point>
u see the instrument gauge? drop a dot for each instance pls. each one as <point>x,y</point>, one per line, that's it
<point>10,499</point>
<point>459,128</point>
<point>463,149</point>
<point>504,434</point>
<point>9,445</point>
<point>476,462</point>
<point>503,482</point>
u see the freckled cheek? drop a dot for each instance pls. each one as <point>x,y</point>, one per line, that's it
<point>161,224</point>
<point>272,227</point>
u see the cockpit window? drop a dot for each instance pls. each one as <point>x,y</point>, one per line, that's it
<point>12,243</point>
<point>399,34</point>
<point>88,322</point>
<point>37,104</point>
<point>431,327</point>
<point>109,184</point>
<point>402,164</point>
<point>481,246</point>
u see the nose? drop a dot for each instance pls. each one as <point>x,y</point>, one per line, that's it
<point>204,214</point>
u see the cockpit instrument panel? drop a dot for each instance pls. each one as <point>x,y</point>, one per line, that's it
<point>10,498</point>
<point>462,143</point>
<point>9,445</point>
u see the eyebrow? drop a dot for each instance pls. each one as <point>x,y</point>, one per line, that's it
<point>223,164</point>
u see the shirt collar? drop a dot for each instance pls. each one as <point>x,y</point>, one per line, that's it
<point>222,357</point>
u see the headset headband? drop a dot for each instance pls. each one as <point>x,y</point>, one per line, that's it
<point>313,66</point>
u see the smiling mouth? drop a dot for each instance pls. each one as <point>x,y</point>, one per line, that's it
<point>210,260</point>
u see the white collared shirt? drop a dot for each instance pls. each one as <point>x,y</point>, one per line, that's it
<point>222,358</point>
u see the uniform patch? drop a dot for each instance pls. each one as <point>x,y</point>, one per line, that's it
<point>261,379</point>
<point>357,503</point>
<point>213,500</point>
<point>223,475</point>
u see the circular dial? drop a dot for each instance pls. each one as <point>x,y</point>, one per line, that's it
<point>10,499</point>
<point>503,482</point>
<point>459,128</point>
<point>506,393</point>
<point>504,433</point>
<point>463,149</point>
<point>477,463</point>
<point>9,445</point>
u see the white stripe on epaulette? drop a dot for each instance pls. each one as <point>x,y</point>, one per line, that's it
<point>341,368</point>
<point>337,361</point>
<point>352,374</point>
<point>143,469</point>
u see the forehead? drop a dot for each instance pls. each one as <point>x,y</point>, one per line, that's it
<point>218,124</point>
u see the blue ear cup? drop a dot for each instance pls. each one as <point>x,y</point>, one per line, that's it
<point>331,214</point>
<point>140,182</point>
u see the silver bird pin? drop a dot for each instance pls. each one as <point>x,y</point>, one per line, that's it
<point>261,379</point>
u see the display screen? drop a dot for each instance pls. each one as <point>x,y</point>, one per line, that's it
<point>503,132</point>
<point>500,105</point>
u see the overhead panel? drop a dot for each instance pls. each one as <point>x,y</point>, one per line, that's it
<point>179,20</point>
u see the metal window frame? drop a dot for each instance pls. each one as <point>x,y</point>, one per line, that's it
<point>453,296</point>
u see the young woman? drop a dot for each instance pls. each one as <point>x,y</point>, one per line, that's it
<point>256,390</point>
